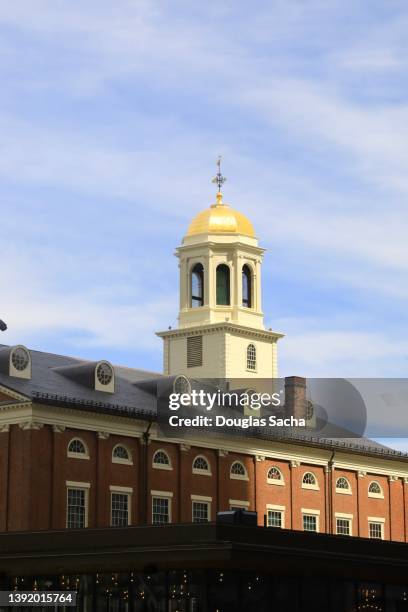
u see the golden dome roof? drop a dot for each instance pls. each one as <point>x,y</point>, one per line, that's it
<point>220,218</point>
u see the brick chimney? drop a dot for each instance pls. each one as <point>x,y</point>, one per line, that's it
<point>295,396</point>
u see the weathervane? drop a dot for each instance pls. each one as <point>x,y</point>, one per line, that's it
<point>219,179</point>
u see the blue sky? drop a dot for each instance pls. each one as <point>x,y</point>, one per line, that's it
<point>112,115</point>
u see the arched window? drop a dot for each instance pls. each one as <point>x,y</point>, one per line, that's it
<point>374,489</point>
<point>161,460</point>
<point>197,286</point>
<point>251,357</point>
<point>223,285</point>
<point>309,481</point>
<point>200,464</point>
<point>238,471</point>
<point>120,454</point>
<point>77,448</point>
<point>246,287</point>
<point>275,476</point>
<point>343,485</point>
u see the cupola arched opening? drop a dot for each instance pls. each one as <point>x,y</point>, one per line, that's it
<point>223,285</point>
<point>197,286</point>
<point>246,287</point>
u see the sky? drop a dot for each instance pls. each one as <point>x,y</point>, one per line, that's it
<point>112,115</point>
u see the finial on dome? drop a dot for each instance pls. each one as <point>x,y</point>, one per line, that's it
<point>219,180</point>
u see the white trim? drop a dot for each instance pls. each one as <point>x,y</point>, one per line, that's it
<point>347,491</point>
<point>197,470</point>
<point>122,491</point>
<point>276,508</point>
<point>375,495</point>
<point>162,496</point>
<point>161,493</point>
<point>116,489</point>
<point>83,486</point>
<point>377,521</point>
<point>238,502</point>
<point>201,498</point>
<point>309,512</point>
<point>73,455</point>
<point>120,459</point>
<point>274,481</point>
<point>161,466</point>
<point>78,485</point>
<point>343,515</point>
<point>238,476</point>
<point>72,418</point>
<point>305,485</point>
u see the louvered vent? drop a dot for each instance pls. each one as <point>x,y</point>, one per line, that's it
<point>194,351</point>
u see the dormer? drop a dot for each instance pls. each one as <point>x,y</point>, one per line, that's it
<point>99,375</point>
<point>16,361</point>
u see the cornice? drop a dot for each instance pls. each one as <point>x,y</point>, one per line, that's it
<point>210,328</point>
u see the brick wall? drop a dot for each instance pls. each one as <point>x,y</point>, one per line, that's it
<point>35,467</point>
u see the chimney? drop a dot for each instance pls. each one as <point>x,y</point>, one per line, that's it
<point>295,396</point>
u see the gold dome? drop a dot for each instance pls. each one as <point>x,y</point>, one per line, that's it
<point>220,218</point>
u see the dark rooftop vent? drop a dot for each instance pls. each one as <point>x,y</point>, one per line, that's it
<point>237,517</point>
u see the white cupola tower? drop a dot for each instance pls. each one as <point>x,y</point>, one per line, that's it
<point>221,332</point>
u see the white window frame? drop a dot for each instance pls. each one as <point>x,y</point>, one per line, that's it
<point>201,499</point>
<point>379,520</point>
<point>239,476</point>
<point>375,495</point>
<point>274,481</point>
<point>276,508</point>
<point>119,459</point>
<point>161,466</point>
<point>72,455</point>
<point>239,503</point>
<point>202,472</point>
<point>254,369</point>
<point>82,486</point>
<point>122,491</point>
<point>311,512</point>
<point>348,491</point>
<point>162,495</point>
<point>345,517</point>
<point>305,485</point>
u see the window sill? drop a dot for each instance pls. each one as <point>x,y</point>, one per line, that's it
<point>157,466</point>
<point>238,477</point>
<point>77,456</point>
<point>376,495</point>
<point>122,461</point>
<point>310,487</point>
<point>279,483</point>
<point>344,492</point>
<point>202,472</point>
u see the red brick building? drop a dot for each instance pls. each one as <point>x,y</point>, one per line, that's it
<point>80,445</point>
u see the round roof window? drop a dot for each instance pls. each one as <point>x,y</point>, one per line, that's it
<point>104,373</point>
<point>20,358</point>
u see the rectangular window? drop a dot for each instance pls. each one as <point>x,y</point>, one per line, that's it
<point>160,510</point>
<point>343,526</point>
<point>310,522</point>
<point>76,508</point>
<point>119,509</point>
<point>201,512</point>
<point>275,518</point>
<point>375,530</point>
<point>194,351</point>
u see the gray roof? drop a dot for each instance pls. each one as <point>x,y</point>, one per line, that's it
<point>56,379</point>
<point>59,380</point>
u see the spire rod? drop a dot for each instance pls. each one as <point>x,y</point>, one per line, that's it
<point>219,179</point>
